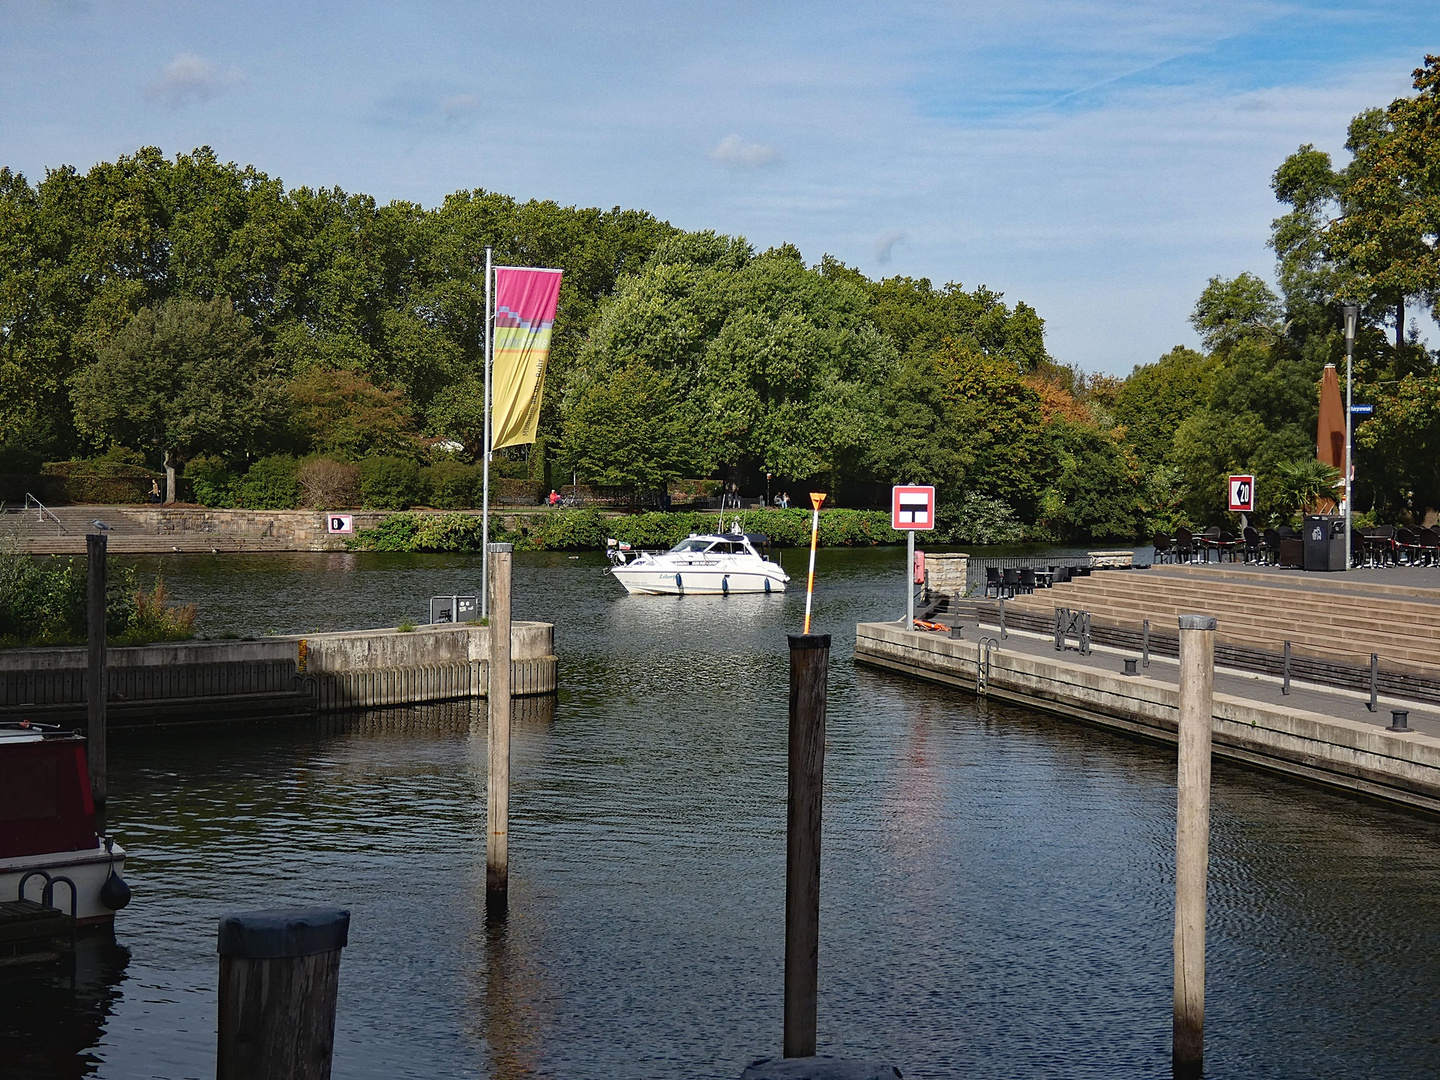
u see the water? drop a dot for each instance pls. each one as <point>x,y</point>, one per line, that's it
<point>997,891</point>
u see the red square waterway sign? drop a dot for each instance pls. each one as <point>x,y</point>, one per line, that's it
<point>1242,494</point>
<point>341,523</point>
<point>912,508</point>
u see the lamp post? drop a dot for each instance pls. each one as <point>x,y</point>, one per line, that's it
<point>1352,315</point>
<point>767,491</point>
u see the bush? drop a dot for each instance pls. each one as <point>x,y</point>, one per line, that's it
<point>103,480</point>
<point>978,520</point>
<point>42,602</point>
<point>269,484</point>
<point>154,619</point>
<point>326,484</point>
<point>212,479</point>
<point>451,485</point>
<point>389,483</point>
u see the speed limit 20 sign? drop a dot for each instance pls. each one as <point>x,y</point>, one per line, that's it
<point>1242,494</point>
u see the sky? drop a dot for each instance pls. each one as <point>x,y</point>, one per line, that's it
<point>1100,160</point>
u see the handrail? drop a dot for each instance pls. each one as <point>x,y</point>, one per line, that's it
<point>30,501</point>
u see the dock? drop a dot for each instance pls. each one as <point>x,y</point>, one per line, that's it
<point>1319,725</point>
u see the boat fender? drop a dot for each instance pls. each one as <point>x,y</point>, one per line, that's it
<point>767,585</point>
<point>679,585</point>
<point>725,584</point>
<point>114,894</point>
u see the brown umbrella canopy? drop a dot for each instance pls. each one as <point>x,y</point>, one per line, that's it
<point>1330,435</point>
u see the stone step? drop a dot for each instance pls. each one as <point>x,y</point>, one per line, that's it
<point>1240,589</point>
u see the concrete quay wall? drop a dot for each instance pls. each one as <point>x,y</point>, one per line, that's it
<point>1362,758</point>
<point>181,682</point>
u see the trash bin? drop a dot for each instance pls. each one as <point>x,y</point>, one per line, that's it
<point>1324,536</point>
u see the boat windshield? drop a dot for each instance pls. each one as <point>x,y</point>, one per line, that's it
<point>695,543</point>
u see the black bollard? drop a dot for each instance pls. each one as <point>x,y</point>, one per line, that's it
<point>809,666</point>
<point>279,974</point>
<point>1399,720</point>
<point>1130,667</point>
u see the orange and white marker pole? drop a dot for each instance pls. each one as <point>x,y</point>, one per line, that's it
<point>817,498</point>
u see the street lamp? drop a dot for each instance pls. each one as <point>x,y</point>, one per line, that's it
<point>1352,315</point>
<point>767,491</point>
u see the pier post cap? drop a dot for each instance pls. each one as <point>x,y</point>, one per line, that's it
<point>808,641</point>
<point>1197,622</point>
<point>501,548</point>
<point>284,932</point>
<point>818,1067</point>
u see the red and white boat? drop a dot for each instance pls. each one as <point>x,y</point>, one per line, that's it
<point>47,829</point>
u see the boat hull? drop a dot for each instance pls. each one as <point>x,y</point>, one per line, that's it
<point>88,869</point>
<point>698,581</point>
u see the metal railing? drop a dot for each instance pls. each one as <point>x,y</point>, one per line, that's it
<point>32,503</point>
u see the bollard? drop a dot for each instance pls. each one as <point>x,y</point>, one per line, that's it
<point>1003,634</point>
<point>1285,686</point>
<point>1374,702</point>
<point>497,785</point>
<point>279,974</point>
<point>1192,838</point>
<point>1145,644</point>
<point>809,666</point>
<point>97,688</point>
<point>1130,667</point>
<point>957,632</point>
<point>1399,720</point>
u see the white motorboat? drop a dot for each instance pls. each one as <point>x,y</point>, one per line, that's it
<point>704,563</point>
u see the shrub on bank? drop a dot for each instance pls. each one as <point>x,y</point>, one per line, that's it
<point>451,485</point>
<point>327,484</point>
<point>269,484</point>
<point>213,480</point>
<point>42,602</point>
<point>389,483</point>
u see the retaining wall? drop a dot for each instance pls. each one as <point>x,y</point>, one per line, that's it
<point>1400,767</point>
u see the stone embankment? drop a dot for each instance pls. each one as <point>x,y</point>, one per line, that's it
<point>158,529</point>
<point>275,677</point>
<point>1322,734</point>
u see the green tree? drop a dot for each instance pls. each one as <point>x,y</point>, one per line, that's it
<point>345,415</point>
<point>179,380</point>
<point>1157,398</point>
<point>630,430</point>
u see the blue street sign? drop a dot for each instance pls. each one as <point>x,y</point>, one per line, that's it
<point>1361,410</point>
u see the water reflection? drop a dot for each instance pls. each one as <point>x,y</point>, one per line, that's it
<point>997,892</point>
<point>51,1020</point>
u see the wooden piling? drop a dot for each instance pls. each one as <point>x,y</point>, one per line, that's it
<point>279,975</point>
<point>497,818</point>
<point>809,666</point>
<point>97,672</point>
<point>1192,839</point>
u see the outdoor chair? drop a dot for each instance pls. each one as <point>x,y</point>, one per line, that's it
<point>1382,544</point>
<point>1225,545</point>
<point>1010,582</point>
<point>1062,575</point>
<point>1164,547</point>
<point>1250,549</point>
<point>1184,546</point>
<point>1359,551</point>
<point>992,581</point>
<point>1270,547</point>
<point>1429,541</point>
<point>1407,546</point>
<point>1209,541</point>
<point>1027,581</point>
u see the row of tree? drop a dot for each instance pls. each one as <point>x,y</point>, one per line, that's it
<point>194,310</point>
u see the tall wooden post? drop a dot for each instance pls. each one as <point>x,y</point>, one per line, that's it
<point>1192,839</point>
<point>97,686</point>
<point>279,975</point>
<point>497,817</point>
<point>809,666</point>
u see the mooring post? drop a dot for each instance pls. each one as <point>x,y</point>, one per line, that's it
<point>97,687</point>
<point>1145,645</point>
<point>497,816</point>
<point>1374,701</point>
<point>1192,839</point>
<point>279,974</point>
<point>1285,685</point>
<point>809,666</point>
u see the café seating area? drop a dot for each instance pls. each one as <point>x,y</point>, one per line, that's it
<point>1383,545</point>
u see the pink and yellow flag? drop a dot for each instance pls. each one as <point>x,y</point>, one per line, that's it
<point>525,303</point>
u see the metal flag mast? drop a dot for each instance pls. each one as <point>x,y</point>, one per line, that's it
<point>485,450</point>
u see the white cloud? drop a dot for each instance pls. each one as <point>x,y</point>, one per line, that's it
<point>457,106</point>
<point>885,246</point>
<point>735,153</point>
<point>190,78</point>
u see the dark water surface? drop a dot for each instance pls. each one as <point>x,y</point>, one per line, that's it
<point>996,902</point>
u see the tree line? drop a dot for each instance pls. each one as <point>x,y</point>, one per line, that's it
<point>280,345</point>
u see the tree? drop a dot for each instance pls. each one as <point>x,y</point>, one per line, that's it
<point>345,415</point>
<point>1390,229</point>
<point>629,430</point>
<point>1229,311</point>
<point>179,380</point>
<point>1157,398</point>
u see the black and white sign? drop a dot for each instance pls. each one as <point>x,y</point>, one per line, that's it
<point>912,508</point>
<point>1242,494</point>
<point>342,523</point>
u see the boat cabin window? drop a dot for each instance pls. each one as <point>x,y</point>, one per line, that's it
<point>695,543</point>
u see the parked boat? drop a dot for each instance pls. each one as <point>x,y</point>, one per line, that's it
<point>48,840</point>
<point>703,563</point>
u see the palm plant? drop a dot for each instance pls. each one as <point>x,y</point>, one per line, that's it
<point>1303,485</point>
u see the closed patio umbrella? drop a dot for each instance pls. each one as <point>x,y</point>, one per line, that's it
<point>1330,432</point>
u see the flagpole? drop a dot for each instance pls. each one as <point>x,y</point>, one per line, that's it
<point>485,454</point>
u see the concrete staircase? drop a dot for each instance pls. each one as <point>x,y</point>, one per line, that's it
<point>61,530</point>
<point>1339,622</point>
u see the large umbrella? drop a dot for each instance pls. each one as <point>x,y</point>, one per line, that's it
<point>1330,432</point>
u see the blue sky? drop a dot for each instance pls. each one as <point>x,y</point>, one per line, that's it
<point>1099,159</point>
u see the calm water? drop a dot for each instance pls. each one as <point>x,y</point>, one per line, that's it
<point>997,892</point>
